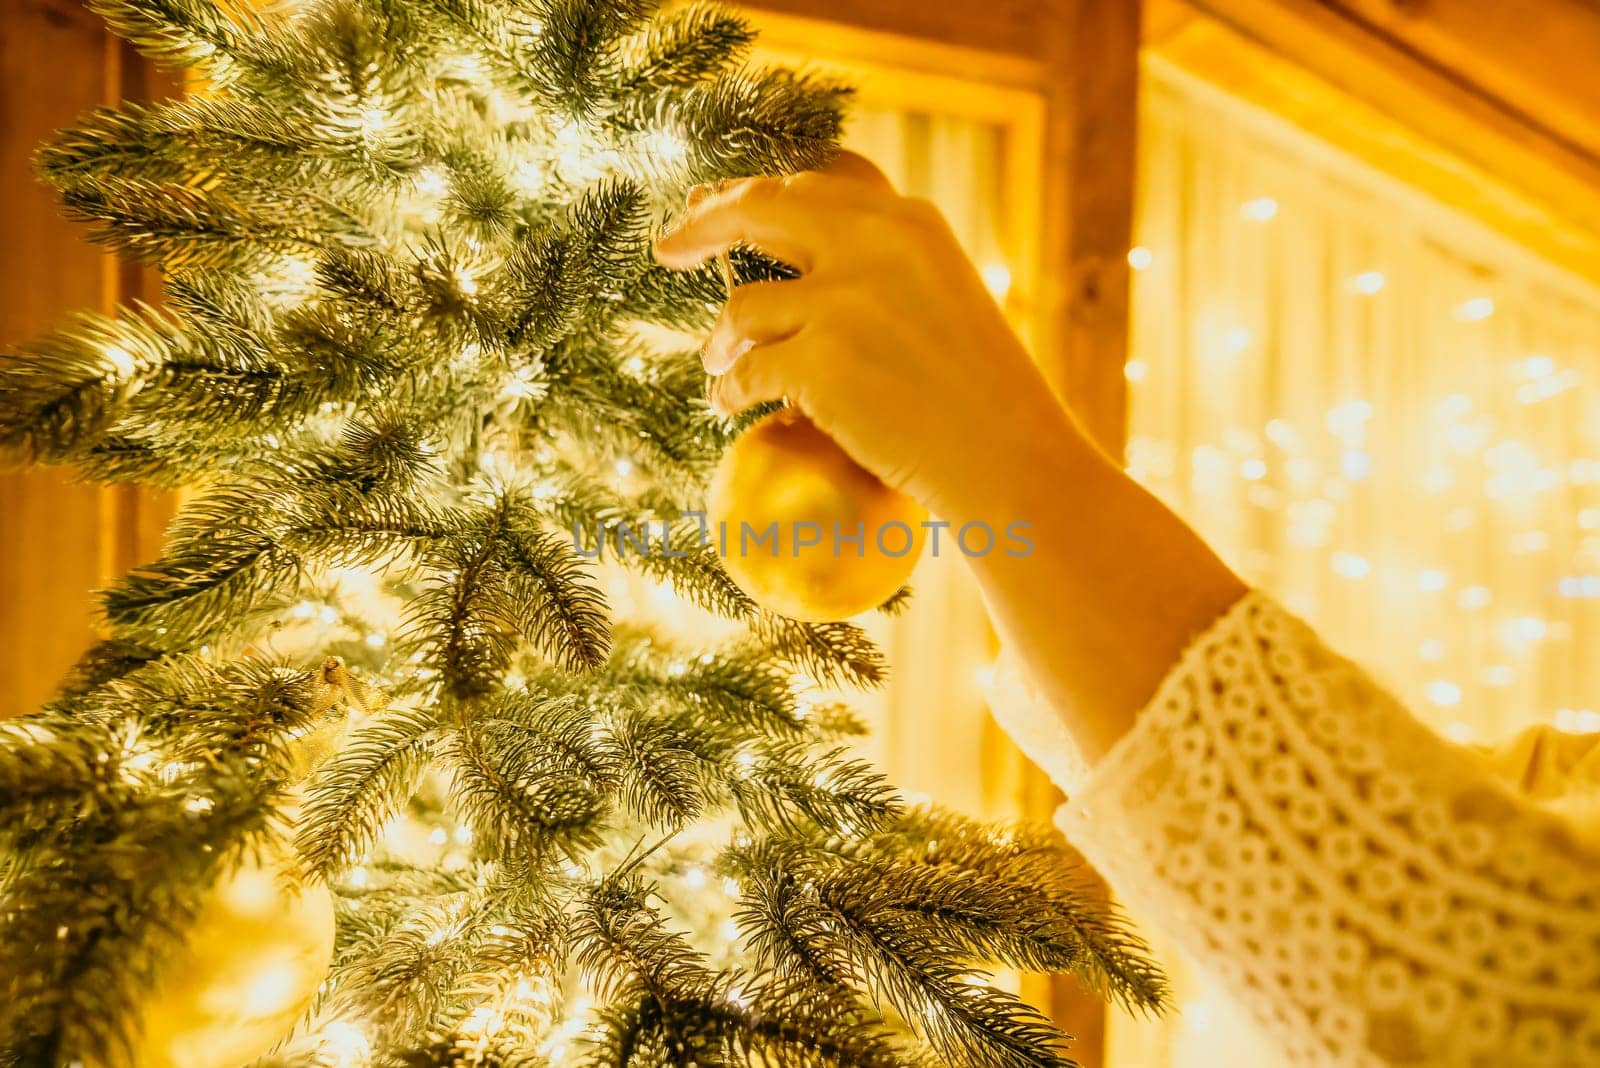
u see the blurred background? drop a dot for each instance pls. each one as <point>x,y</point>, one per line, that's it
<point>1326,273</point>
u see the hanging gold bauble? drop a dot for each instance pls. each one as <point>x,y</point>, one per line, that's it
<point>805,530</point>
<point>247,970</point>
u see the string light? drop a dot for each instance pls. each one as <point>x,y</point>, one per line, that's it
<point>997,277</point>
<point>1140,258</point>
<point>1444,693</point>
<point>346,1044</point>
<point>1351,565</point>
<point>1368,283</point>
<point>1475,310</point>
<point>666,147</point>
<point>373,121</point>
<point>1261,209</point>
<point>120,359</point>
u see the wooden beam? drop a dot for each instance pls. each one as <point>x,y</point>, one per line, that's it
<point>59,540</point>
<point>1356,86</point>
<point>1536,60</point>
<point>999,27</point>
<point>1091,147</point>
<point>55,62</point>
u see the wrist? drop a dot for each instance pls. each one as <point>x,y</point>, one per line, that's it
<point>1006,465</point>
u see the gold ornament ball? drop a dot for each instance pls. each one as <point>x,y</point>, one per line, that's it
<point>246,972</point>
<point>779,496</point>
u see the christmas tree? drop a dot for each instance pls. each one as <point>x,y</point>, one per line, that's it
<point>376,764</point>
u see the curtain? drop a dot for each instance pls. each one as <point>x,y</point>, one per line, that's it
<point>1378,411</point>
<point>931,732</point>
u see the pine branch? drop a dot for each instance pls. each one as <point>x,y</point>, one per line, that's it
<point>352,797</point>
<point>219,37</point>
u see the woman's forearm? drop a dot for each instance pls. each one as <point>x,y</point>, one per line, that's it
<point>1115,584</point>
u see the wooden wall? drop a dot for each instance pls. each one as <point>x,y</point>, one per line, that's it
<point>58,540</point>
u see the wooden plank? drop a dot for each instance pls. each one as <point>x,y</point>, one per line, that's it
<point>1350,84</point>
<point>1537,60</point>
<point>59,540</point>
<point>999,27</point>
<point>54,64</point>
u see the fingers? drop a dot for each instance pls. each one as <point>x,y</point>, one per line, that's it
<point>797,219</point>
<point>848,164</point>
<point>750,211</point>
<point>757,313</point>
<point>765,373</point>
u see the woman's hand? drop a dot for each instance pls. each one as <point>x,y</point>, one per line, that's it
<point>889,341</point>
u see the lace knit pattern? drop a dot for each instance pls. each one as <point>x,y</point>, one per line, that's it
<point>1366,889</point>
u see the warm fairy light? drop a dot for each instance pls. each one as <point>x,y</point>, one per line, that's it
<point>1579,586</point>
<point>577,157</point>
<point>1474,597</point>
<point>1432,650</point>
<point>483,1020</point>
<point>1348,421</point>
<point>374,120</point>
<point>1475,310</point>
<point>1499,675</point>
<point>665,147</point>
<point>1261,209</point>
<point>695,877</point>
<point>1135,370</point>
<point>120,359</point>
<point>1538,366</point>
<point>1578,720</point>
<point>1444,693</point>
<point>1351,565</point>
<point>997,277</point>
<point>346,1044</point>
<point>438,836</point>
<point>1368,283</point>
<point>1432,580</point>
<point>1355,464</point>
<point>529,174</point>
<point>1237,339</point>
<point>525,384</point>
<point>138,756</point>
<point>1140,258</point>
<point>432,182</point>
